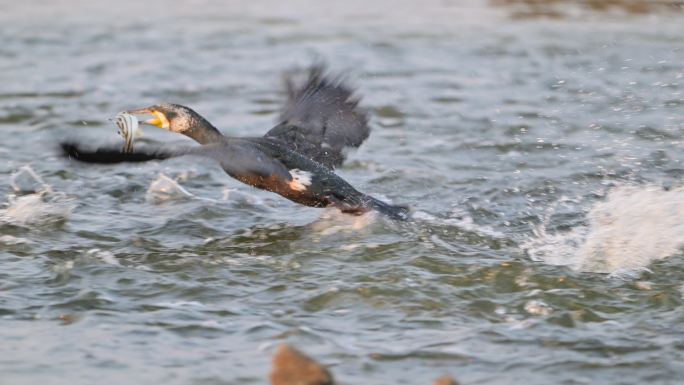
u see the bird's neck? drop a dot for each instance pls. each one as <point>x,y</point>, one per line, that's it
<point>204,133</point>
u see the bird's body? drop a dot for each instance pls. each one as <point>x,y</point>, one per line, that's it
<point>295,159</point>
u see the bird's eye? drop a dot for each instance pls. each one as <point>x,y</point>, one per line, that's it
<point>170,115</point>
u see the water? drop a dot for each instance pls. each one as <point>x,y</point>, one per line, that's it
<point>542,158</point>
<point>632,228</point>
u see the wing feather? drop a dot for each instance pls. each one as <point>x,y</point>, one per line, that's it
<point>321,118</point>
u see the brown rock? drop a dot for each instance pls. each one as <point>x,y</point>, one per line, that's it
<point>445,380</point>
<point>291,367</point>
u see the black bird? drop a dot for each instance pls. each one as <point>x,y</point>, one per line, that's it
<point>295,159</point>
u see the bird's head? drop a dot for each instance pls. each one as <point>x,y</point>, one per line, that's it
<point>171,117</point>
<point>180,119</point>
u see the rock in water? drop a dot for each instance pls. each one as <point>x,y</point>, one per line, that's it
<point>445,380</point>
<point>291,367</point>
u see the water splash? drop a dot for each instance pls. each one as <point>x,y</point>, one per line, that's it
<point>42,206</point>
<point>633,227</point>
<point>165,189</point>
<point>333,221</point>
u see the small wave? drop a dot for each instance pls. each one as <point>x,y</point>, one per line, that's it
<point>633,227</point>
<point>10,240</point>
<point>105,256</point>
<point>462,220</point>
<point>182,305</point>
<point>239,196</point>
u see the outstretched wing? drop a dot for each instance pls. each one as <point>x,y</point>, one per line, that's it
<point>240,160</point>
<point>321,119</point>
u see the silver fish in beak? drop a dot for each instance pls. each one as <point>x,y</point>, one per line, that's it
<point>129,129</point>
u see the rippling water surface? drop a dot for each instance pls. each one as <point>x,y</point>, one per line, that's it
<point>542,157</point>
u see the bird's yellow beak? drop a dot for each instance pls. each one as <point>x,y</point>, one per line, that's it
<point>158,120</point>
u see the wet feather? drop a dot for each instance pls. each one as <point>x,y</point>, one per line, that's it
<point>321,119</point>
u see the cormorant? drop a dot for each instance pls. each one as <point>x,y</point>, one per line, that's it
<point>295,159</point>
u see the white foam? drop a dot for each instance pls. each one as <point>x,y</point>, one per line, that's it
<point>633,227</point>
<point>34,209</point>
<point>42,207</point>
<point>106,256</point>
